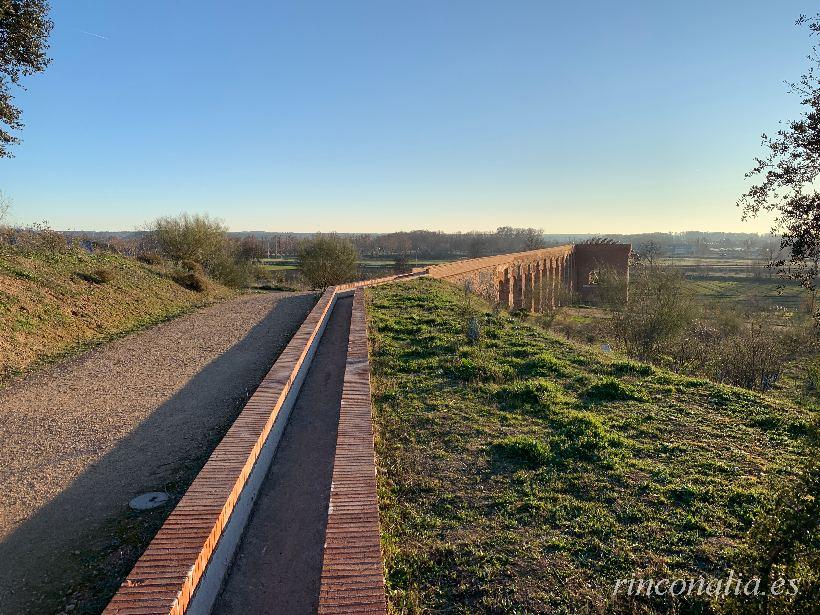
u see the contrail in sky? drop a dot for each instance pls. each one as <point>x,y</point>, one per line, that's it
<point>105,38</point>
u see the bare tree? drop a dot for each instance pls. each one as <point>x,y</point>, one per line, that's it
<point>5,206</point>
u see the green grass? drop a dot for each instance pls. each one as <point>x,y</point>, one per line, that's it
<point>525,474</point>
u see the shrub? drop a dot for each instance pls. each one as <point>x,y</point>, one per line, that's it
<point>523,451</point>
<point>612,389</point>
<point>98,276</point>
<point>203,240</point>
<point>658,310</point>
<point>328,260</point>
<point>610,289</point>
<point>190,237</point>
<point>753,358</point>
<point>149,258</point>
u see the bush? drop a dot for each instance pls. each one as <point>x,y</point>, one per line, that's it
<point>753,358</point>
<point>328,260</point>
<point>657,312</point>
<point>190,237</point>
<point>98,276</point>
<point>611,288</point>
<point>203,240</point>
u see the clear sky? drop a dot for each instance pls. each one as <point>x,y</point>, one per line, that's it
<point>385,115</point>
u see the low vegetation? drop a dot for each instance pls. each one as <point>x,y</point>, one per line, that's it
<point>728,338</point>
<point>521,473</point>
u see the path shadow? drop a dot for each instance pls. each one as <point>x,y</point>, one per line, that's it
<point>76,549</point>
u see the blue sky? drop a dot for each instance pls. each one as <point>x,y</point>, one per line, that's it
<point>386,115</point>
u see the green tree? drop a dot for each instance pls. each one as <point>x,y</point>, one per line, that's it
<point>24,30</point>
<point>327,260</point>
<point>787,178</point>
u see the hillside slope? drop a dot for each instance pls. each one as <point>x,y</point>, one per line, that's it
<point>54,304</point>
<point>524,474</point>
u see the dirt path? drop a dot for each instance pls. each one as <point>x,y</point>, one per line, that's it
<point>279,562</point>
<point>79,440</point>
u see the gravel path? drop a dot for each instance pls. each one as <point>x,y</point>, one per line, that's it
<point>79,440</point>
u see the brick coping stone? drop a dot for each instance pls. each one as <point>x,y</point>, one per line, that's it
<point>353,569</point>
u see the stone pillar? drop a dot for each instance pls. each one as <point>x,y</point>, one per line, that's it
<point>517,287</point>
<point>504,288</point>
<point>529,286</point>
<point>550,284</point>
<point>547,294</point>
<point>559,281</point>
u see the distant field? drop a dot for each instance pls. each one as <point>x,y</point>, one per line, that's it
<point>748,292</point>
<point>722,266</point>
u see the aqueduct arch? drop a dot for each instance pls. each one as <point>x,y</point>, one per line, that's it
<point>537,279</point>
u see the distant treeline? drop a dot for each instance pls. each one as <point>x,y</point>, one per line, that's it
<point>424,244</point>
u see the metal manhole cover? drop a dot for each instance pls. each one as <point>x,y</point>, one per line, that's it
<point>147,501</point>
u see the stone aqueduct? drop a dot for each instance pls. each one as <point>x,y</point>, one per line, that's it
<point>537,279</point>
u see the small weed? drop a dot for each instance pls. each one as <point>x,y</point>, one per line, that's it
<point>612,389</point>
<point>631,368</point>
<point>813,376</point>
<point>150,258</point>
<point>536,391</point>
<point>581,436</point>
<point>98,276</point>
<point>524,451</point>
<point>472,369</point>
<point>547,364</point>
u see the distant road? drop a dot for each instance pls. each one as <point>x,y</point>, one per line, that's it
<point>80,439</point>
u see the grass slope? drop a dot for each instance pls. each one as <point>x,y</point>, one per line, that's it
<point>54,304</point>
<point>525,475</point>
